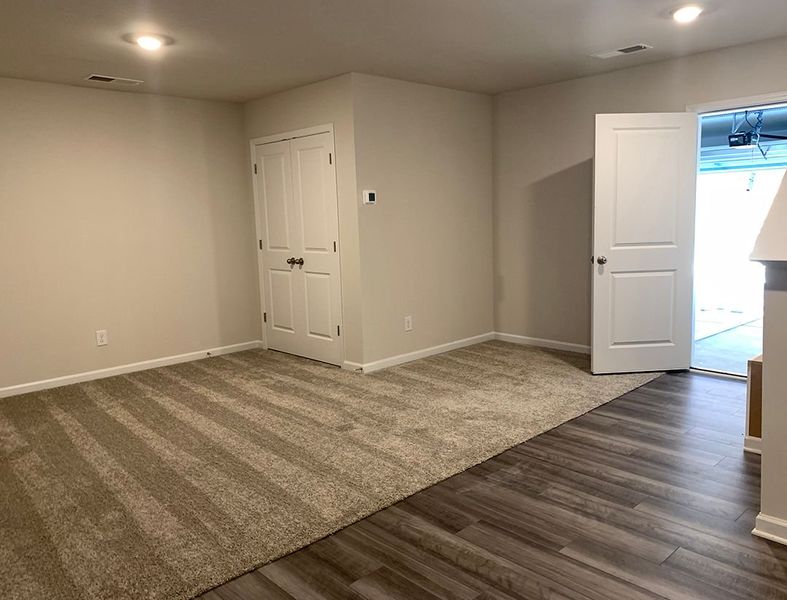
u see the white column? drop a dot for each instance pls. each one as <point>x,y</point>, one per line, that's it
<point>772,520</point>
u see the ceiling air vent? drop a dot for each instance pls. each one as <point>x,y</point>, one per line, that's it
<point>114,80</point>
<point>621,51</point>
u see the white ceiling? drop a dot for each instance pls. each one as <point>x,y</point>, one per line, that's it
<point>243,49</point>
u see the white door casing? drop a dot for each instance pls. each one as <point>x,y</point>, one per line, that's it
<point>643,241</point>
<point>297,219</point>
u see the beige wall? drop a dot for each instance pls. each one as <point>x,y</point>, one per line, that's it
<point>125,212</point>
<point>426,247</point>
<point>133,212</point>
<point>543,174</point>
<point>320,103</point>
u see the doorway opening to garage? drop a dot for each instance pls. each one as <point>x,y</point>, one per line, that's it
<point>743,158</point>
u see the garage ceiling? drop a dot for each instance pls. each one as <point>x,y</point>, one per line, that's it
<point>716,154</point>
<point>243,49</point>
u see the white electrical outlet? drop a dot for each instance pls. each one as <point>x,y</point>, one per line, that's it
<point>102,338</point>
<point>408,323</point>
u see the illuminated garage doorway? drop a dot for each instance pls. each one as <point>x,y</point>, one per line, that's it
<point>735,189</point>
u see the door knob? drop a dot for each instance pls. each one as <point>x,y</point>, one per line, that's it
<point>291,260</point>
<point>298,262</point>
<point>602,260</point>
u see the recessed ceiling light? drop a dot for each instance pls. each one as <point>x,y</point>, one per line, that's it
<point>148,41</point>
<point>687,14</point>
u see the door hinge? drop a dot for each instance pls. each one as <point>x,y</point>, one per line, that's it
<point>338,330</point>
<point>255,168</point>
<point>334,246</point>
<point>330,158</point>
<point>264,317</point>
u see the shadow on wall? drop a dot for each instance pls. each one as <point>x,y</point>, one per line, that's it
<point>233,294</point>
<point>556,247</point>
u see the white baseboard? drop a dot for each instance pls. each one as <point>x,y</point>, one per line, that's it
<point>44,384</point>
<point>531,341</point>
<point>411,356</point>
<point>377,365</point>
<point>752,444</point>
<point>504,337</point>
<point>771,528</point>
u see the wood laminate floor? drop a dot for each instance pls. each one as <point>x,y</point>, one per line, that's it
<point>649,496</point>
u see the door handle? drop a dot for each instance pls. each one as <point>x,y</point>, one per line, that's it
<point>298,262</point>
<point>291,260</point>
<point>602,260</point>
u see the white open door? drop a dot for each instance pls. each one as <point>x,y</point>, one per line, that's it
<point>643,241</point>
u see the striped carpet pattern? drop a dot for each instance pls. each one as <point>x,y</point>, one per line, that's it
<point>167,482</point>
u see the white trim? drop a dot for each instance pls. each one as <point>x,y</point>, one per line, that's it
<point>752,444</point>
<point>719,374</point>
<point>384,363</point>
<point>771,528</point>
<point>348,365</point>
<point>531,341</point>
<point>411,356</point>
<point>257,244</point>
<point>44,384</point>
<point>733,103</point>
<point>288,135</point>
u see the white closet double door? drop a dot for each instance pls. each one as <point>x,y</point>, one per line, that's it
<point>297,221</point>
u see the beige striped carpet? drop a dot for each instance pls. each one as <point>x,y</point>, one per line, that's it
<point>164,483</point>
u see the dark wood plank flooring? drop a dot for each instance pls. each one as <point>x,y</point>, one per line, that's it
<point>649,496</point>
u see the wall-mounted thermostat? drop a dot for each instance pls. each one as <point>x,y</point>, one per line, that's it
<point>369,197</point>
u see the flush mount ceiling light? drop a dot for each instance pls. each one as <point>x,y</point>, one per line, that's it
<point>687,14</point>
<point>148,41</point>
